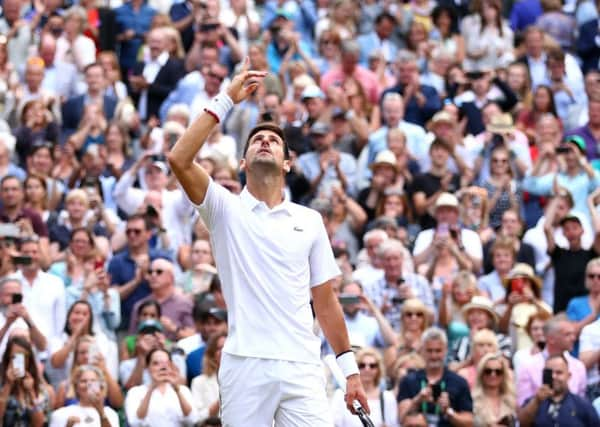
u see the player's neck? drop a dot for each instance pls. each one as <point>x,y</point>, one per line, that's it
<point>267,188</point>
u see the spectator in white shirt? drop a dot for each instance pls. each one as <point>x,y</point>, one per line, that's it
<point>13,314</point>
<point>464,244</point>
<point>164,402</point>
<point>43,293</point>
<point>176,212</point>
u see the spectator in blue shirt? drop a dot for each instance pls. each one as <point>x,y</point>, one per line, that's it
<point>442,395</point>
<point>554,404</point>
<point>133,22</point>
<point>128,268</point>
<point>421,101</point>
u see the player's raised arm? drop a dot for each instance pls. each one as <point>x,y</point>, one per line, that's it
<point>192,176</point>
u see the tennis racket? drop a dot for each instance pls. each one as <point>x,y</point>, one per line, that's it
<point>341,380</point>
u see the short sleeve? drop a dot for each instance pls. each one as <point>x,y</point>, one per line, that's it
<point>409,388</point>
<point>586,339</point>
<point>463,401</point>
<point>322,263</point>
<point>214,205</point>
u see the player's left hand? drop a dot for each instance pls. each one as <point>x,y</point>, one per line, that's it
<point>355,391</point>
<point>245,82</point>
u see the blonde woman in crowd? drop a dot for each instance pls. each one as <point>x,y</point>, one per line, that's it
<point>382,402</point>
<point>494,396</point>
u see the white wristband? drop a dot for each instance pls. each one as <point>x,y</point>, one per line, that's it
<point>219,106</point>
<point>347,363</point>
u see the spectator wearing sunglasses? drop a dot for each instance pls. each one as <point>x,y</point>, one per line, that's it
<point>381,401</point>
<point>127,268</point>
<point>494,397</point>
<point>176,309</point>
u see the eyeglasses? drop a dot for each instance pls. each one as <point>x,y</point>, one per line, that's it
<point>157,271</point>
<point>368,365</point>
<point>593,275</point>
<point>136,231</point>
<point>413,314</point>
<point>499,160</point>
<point>327,41</point>
<point>490,371</point>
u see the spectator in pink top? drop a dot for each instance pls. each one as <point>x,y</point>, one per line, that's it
<point>349,68</point>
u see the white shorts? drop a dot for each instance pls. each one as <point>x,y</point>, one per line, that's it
<point>265,392</point>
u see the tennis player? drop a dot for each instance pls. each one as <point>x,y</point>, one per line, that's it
<point>273,256</point>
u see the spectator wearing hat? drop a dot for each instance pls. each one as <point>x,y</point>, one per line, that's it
<point>523,298</point>
<point>479,314</point>
<point>577,176</point>
<point>176,309</point>
<point>327,165</point>
<point>560,336</point>
<point>176,209</point>
<point>384,175</point>
<point>209,320</point>
<point>444,125</point>
<point>499,132</point>
<point>427,186</point>
<point>422,101</point>
<point>463,243</point>
<point>569,263</point>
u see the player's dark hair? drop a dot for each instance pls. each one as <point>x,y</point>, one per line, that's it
<point>273,128</point>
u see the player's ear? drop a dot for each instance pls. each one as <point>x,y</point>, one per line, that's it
<point>287,166</point>
<point>242,164</point>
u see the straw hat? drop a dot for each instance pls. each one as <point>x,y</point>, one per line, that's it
<point>446,199</point>
<point>481,303</point>
<point>501,123</point>
<point>523,270</point>
<point>385,158</point>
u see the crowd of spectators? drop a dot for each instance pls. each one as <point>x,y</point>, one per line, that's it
<point>451,147</point>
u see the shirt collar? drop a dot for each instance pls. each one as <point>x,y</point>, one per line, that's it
<point>161,59</point>
<point>253,203</point>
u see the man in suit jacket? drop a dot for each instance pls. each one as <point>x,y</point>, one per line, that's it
<point>72,110</point>
<point>152,81</point>
<point>380,39</point>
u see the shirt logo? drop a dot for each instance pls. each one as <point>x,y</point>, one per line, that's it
<point>296,228</point>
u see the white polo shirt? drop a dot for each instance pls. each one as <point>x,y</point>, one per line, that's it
<point>268,259</point>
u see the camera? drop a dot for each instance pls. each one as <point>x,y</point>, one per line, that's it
<point>497,139</point>
<point>563,149</point>
<point>267,116</point>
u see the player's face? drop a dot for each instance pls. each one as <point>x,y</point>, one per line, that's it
<point>266,148</point>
